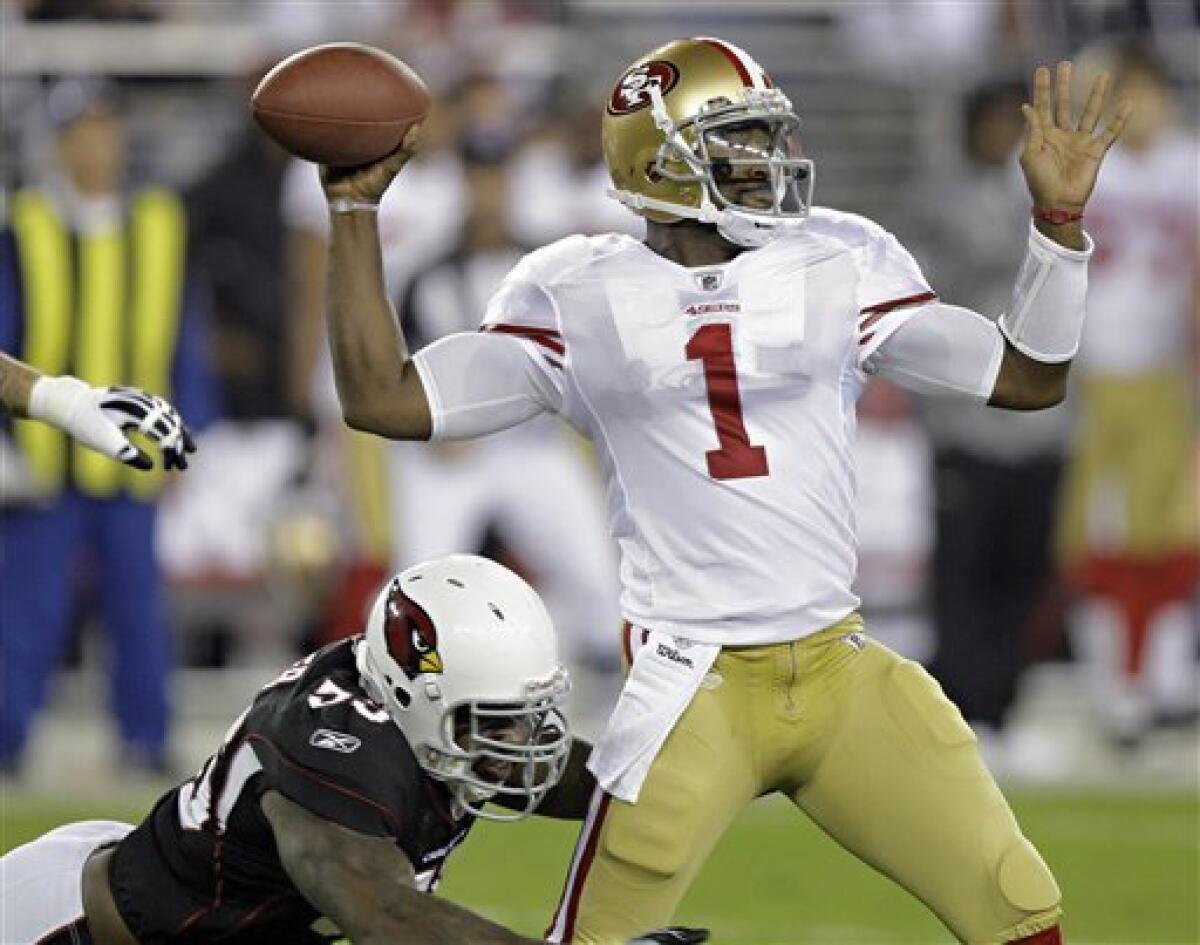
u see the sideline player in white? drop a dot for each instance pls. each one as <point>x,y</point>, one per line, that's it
<point>715,367</point>
<point>1129,530</point>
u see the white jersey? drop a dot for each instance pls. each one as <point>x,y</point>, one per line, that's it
<point>721,403</point>
<point>1144,272</point>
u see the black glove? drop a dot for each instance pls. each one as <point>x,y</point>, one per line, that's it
<point>675,935</point>
<point>133,409</point>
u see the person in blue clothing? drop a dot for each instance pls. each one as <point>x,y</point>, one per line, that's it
<point>94,285</point>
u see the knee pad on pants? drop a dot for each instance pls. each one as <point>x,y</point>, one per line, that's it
<point>1025,881</point>
<point>1028,887</point>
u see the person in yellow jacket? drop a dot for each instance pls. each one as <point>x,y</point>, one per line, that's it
<point>97,303</point>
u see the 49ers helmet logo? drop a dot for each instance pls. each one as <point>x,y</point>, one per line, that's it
<point>410,634</point>
<point>632,92</point>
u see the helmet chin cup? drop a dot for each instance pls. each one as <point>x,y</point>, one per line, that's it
<point>741,229</point>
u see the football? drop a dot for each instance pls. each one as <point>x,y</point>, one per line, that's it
<point>341,103</point>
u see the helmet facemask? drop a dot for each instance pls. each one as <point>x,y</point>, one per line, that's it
<point>745,155</point>
<point>489,750</point>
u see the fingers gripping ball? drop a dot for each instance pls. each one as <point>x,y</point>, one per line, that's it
<point>341,104</point>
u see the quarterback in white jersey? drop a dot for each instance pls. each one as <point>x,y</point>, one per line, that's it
<point>716,367</point>
<point>751,370</point>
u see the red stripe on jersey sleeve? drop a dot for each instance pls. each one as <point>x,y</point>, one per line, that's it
<point>882,308</point>
<point>542,336</point>
<point>870,320</point>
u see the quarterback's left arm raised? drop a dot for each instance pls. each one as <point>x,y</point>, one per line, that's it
<point>1021,361</point>
<point>96,416</point>
<point>364,884</point>
<point>1061,161</point>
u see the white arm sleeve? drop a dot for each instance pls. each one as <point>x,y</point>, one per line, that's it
<point>1044,321</point>
<point>943,350</point>
<point>479,383</point>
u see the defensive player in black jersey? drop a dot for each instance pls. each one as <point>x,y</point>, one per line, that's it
<point>339,793</point>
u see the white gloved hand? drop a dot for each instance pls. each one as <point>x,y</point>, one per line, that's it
<point>98,416</point>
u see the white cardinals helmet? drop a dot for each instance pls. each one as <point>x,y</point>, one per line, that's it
<point>463,655</point>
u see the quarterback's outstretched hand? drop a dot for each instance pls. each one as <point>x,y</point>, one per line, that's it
<point>366,184</point>
<point>1061,159</point>
<point>99,416</point>
<point>675,935</point>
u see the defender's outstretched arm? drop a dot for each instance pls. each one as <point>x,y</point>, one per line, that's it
<point>365,886</point>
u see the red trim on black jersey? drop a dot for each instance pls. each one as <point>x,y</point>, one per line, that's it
<point>882,308</point>
<point>545,337</point>
<point>392,818</point>
<point>257,911</point>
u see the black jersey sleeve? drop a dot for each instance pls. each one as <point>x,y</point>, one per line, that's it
<point>324,745</point>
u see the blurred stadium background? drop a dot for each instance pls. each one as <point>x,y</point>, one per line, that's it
<point>275,539</point>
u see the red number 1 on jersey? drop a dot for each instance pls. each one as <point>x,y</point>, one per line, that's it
<point>736,459</point>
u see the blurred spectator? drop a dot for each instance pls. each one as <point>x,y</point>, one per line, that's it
<point>560,180</point>
<point>534,485</point>
<point>216,524</point>
<point>913,39</point>
<point>89,10</point>
<point>94,278</point>
<point>1129,529</point>
<point>893,507</point>
<point>417,223</point>
<point>996,473</point>
<point>238,241</point>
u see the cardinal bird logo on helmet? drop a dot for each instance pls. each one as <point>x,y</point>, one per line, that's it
<point>410,634</point>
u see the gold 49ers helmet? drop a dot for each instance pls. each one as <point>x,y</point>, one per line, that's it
<point>696,129</point>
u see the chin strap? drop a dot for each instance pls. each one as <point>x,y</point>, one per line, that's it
<point>731,225</point>
<point>705,214</point>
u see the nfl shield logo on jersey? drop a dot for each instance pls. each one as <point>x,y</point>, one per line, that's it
<point>709,281</point>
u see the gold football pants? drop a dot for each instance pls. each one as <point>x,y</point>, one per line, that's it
<point>862,741</point>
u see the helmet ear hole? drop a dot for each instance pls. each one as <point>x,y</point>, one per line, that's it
<point>652,173</point>
<point>402,696</point>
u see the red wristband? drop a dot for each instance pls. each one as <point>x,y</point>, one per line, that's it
<point>1057,216</point>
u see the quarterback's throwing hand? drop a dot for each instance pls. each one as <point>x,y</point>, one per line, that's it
<point>675,935</point>
<point>99,416</point>
<point>366,184</point>
<point>1061,158</point>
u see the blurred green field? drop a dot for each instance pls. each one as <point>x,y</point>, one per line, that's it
<point>1128,864</point>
